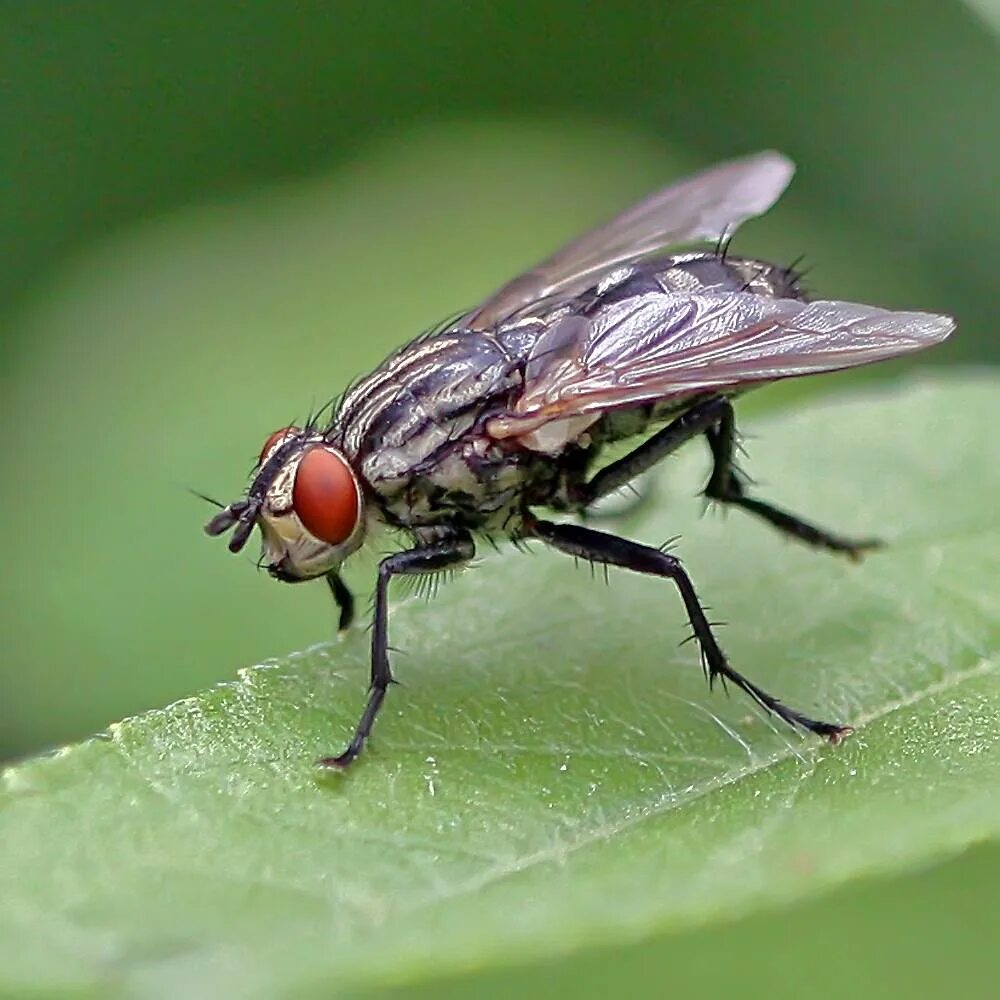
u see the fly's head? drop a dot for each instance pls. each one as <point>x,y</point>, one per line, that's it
<point>308,502</point>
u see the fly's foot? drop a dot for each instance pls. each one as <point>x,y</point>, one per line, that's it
<point>857,550</point>
<point>342,761</point>
<point>838,734</point>
<point>717,667</point>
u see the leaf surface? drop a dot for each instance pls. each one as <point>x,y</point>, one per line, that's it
<point>554,772</point>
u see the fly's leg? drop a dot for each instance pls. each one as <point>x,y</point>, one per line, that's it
<point>343,598</point>
<point>714,418</point>
<point>697,420</point>
<point>726,486</point>
<point>439,555</point>
<point>609,550</point>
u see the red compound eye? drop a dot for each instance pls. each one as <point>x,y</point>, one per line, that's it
<point>277,436</point>
<point>325,496</point>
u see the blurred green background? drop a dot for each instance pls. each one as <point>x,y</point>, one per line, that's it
<point>214,215</point>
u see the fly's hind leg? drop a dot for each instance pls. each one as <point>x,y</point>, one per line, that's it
<point>727,486</point>
<point>692,422</point>
<point>714,418</point>
<point>609,550</point>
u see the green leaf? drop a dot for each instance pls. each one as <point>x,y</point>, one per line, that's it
<point>554,773</point>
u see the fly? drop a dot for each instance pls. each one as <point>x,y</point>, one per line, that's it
<point>476,429</point>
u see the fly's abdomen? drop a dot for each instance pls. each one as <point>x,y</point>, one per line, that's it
<point>698,272</point>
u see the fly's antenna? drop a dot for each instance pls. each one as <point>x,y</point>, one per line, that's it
<point>244,527</point>
<point>242,514</point>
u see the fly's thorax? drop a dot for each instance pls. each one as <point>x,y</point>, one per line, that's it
<point>414,430</point>
<point>422,400</point>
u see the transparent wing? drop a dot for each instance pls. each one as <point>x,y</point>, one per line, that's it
<point>705,206</point>
<point>661,345</point>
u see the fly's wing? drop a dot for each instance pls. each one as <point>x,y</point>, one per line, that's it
<point>707,206</point>
<point>660,346</point>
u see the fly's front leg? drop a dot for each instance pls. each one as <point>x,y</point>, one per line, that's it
<point>609,550</point>
<point>442,554</point>
<point>343,598</point>
<point>727,486</point>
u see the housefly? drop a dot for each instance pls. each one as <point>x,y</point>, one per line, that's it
<point>473,429</point>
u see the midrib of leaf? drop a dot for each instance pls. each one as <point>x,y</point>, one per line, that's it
<point>804,755</point>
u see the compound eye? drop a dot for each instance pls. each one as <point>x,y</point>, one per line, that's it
<point>325,496</point>
<point>275,438</point>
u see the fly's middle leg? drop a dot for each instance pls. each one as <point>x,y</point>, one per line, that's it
<point>727,486</point>
<point>610,550</point>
